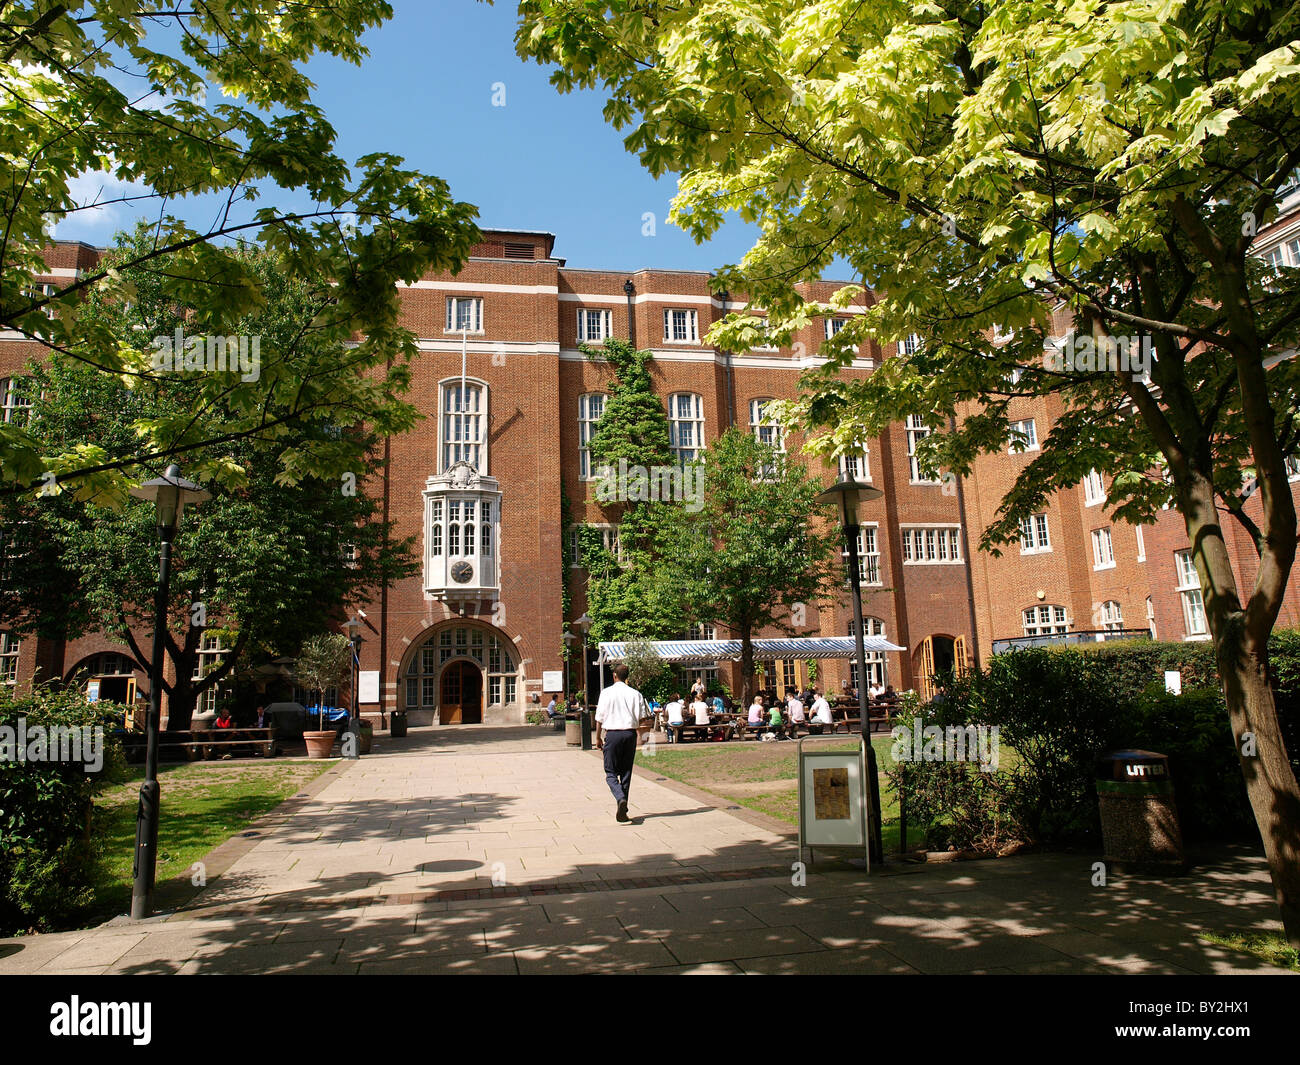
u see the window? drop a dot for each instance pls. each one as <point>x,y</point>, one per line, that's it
<point>916,432</point>
<point>1045,620</point>
<point>766,343</point>
<point>1189,587</point>
<point>15,399</point>
<point>491,652</point>
<point>767,432</point>
<point>609,539</point>
<point>1024,437</point>
<point>1094,490</point>
<point>464,423</point>
<point>1142,547</point>
<point>211,653</point>
<point>1033,535</point>
<point>1103,552</point>
<point>686,425</point>
<point>857,464</point>
<point>464,315</point>
<point>868,554</point>
<point>1292,466</point>
<point>1111,616</point>
<point>590,408</point>
<point>595,326</point>
<point>834,325</point>
<point>875,660</point>
<point>1151,618</point>
<point>929,545</point>
<point>910,345</point>
<point>681,327</point>
<point>41,292</point>
<point>8,658</point>
<point>702,630</point>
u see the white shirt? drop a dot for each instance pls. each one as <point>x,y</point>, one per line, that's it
<point>621,707</point>
<point>822,711</point>
<point>796,709</point>
<point>701,709</point>
<point>674,711</point>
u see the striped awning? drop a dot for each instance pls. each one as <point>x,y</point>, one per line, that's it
<point>706,652</point>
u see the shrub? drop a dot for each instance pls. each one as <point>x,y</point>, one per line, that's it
<point>48,860</point>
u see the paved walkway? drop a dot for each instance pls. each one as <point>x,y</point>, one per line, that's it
<point>495,850</point>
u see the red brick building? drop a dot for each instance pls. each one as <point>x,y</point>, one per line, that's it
<point>509,402</point>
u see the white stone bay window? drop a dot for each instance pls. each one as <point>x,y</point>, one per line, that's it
<point>462,521</point>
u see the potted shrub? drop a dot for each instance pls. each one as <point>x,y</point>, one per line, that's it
<point>322,663</point>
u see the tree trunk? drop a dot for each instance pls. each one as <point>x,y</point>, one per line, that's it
<point>1241,655</point>
<point>180,706</point>
<point>746,666</point>
<point>1270,783</point>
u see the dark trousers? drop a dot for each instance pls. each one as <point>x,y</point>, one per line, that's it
<point>620,753</point>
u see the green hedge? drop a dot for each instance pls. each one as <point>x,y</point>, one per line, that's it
<point>1056,709</point>
<point>48,859</point>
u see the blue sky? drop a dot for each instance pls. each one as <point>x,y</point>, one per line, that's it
<point>543,161</point>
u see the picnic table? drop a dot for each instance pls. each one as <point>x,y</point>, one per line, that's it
<point>203,745</point>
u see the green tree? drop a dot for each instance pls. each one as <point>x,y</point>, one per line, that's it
<point>216,108</point>
<point>262,565</point>
<point>623,601</point>
<point>981,167</point>
<point>754,554</point>
<point>323,662</point>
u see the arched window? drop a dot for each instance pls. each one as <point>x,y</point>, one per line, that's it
<point>464,424</point>
<point>1045,620</point>
<point>491,652</point>
<point>686,426</point>
<point>590,407</point>
<point>1111,615</point>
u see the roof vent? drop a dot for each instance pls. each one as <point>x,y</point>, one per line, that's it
<point>515,250</point>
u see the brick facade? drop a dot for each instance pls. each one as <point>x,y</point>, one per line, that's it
<point>526,356</point>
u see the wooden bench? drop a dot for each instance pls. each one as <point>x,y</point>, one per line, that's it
<point>697,732</point>
<point>203,745</point>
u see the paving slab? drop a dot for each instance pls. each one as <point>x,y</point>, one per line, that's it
<point>388,867</point>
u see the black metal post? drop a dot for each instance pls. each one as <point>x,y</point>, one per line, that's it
<point>354,715</point>
<point>873,773</point>
<point>146,817</point>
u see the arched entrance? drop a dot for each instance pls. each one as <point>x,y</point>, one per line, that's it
<point>460,694</point>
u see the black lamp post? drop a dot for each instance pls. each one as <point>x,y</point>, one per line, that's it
<point>169,493</point>
<point>583,625</point>
<point>847,494</point>
<point>629,290</point>
<point>353,625</point>
<point>569,640</point>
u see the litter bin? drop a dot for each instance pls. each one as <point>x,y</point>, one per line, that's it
<point>588,720</point>
<point>573,730</point>
<point>397,724</point>
<point>1139,821</point>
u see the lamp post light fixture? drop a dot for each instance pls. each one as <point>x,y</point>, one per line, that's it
<point>629,290</point>
<point>170,493</point>
<point>847,494</point>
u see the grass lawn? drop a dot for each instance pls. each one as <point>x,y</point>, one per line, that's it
<point>203,805</point>
<point>1271,947</point>
<point>763,776</point>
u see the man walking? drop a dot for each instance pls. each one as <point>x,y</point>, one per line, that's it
<point>619,712</point>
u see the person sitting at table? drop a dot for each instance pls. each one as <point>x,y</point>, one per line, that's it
<point>701,710</point>
<point>756,710</point>
<point>821,712</point>
<point>775,721</point>
<point>224,720</point>
<point>794,705</point>
<point>261,719</point>
<point>890,695</point>
<point>674,712</point>
<point>876,691</point>
<point>719,705</point>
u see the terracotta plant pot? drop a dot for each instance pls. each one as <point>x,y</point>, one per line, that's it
<point>320,744</point>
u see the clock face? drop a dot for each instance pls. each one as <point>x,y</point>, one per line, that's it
<point>461,572</point>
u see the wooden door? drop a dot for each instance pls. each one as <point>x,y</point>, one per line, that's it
<point>927,669</point>
<point>960,659</point>
<point>461,697</point>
